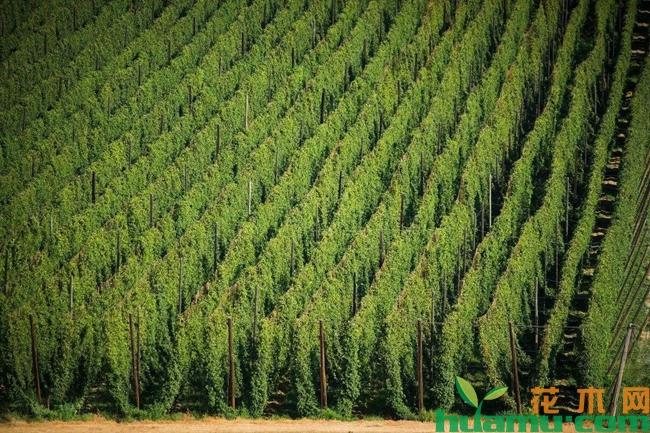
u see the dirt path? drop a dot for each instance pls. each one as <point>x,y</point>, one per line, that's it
<point>218,425</point>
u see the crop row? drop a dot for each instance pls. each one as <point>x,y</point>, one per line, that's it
<point>380,276</point>
<point>582,234</point>
<point>599,327</point>
<point>542,233</point>
<point>121,105</point>
<point>73,56</point>
<point>66,240</point>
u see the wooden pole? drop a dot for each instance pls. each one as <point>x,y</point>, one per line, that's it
<point>322,105</point>
<point>340,184</point>
<point>118,256</point>
<point>134,364</point>
<point>218,143</point>
<point>464,261</point>
<point>35,362</point>
<point>354,294</point>
<point>93,194</point>
<point>250,197</point>
<point>243,44</point>
<point>566,212</point>
<point>401,212</point>
<point>482,220</point>
<point>138,352</point>
<point>420,370</point>
<point>275,168</point>
<point>150,210</point>
<point>421,173</point>
<point>130,146</point>
<point>490,201</point>
<point>180,284</point>
<point>323,377</point>
<point>246,112</point>
<point>215,247</point>
<point>255,312</point>
<point>381,248</point>
<point>619,379</point>
<point>557,258</point>
<point>536,312</point>
<point>231,367</point>
<point>189,99</point>
<point>71,293</point>
<point>5,283</point>
<point>515,369</point>
<point>444,295</point>
<point>292,260</point>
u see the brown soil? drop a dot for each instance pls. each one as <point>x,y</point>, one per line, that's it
<point>219,425</point>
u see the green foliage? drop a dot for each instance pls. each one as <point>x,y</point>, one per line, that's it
<point>514,291</point>
<point>286,164</point>
<point>600,324</point>
<point>582,233</point>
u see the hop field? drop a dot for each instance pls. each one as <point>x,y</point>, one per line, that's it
<point>320,208</point>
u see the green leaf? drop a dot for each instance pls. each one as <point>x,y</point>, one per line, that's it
<point>466,392</point>
<point>495,393</point>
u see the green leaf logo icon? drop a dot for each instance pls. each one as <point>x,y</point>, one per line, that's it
<point>495,393</point>
<point>466,392</point>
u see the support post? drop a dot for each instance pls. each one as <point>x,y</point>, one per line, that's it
<point>322,105</point>
<point>420,370</point>
<point>118,256</point>
<point>354,294</point>
<point>536,312</point>
<point>482,220</point>
<point>381,248</point>
<point>566,212</point>
<point>255,312</point>
<point>93,193</point>
<point>35,362</point>
<point>134,364</point>
<point>189,99</point>
<point>180,284</point>
<point>619,378</point>
<point>515,369</point>
<point>231,367</point>
<point>250,197</point>
<point>5,282</point>
<point>71,293</point>
<point>490,201</point>
<point>215,248</point>
<point>401,212</point>
<point>246,112</point>
<point>323,377</point>
<point>150,210</point>
<point>218,143</point>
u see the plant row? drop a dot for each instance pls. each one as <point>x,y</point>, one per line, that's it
<point>378,277</point>
<point>541,235</point>
<point>605,307</point>
<point>582,234</point>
